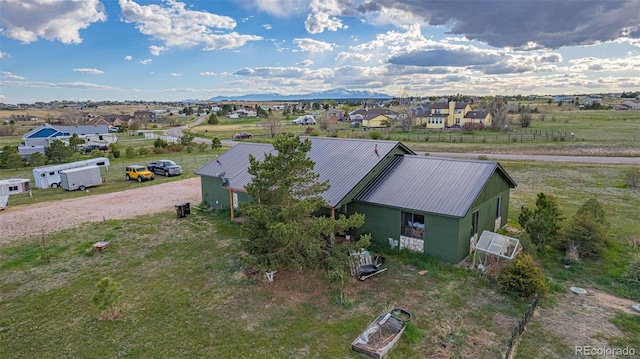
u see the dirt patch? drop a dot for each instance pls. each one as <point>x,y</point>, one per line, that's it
<point>584,319</point>
<point>19,222</point>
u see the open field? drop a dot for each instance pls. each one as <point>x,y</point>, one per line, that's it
<point>185,293</point>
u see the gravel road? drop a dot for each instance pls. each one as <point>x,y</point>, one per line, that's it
<point>17,222</point>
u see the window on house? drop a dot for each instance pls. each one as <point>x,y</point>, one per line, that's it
<point>498,207</point>
<point>412,225</point>
<point>13,188</point>
<point>51,173</point>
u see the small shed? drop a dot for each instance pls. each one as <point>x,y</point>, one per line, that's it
<point>492,247</point>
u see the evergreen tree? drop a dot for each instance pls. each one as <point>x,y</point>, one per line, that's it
<point>282,230</point>
<point>10,158</point>
<point>58,152</point>
<point>37,159</point>
<point>543,223</point>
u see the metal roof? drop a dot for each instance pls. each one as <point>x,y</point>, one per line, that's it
<point>234,163</point>
<point>427,184</point>
<point>80,130</point>
<point>342,162</point>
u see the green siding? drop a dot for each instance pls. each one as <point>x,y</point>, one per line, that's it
<point>440,237</point>
<point>217,197</point>
<point>213,195</point>
<point>385,222</point>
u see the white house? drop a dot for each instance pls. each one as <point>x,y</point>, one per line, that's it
<point>632,104</point>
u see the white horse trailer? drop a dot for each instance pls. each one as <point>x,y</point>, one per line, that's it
<point>12,186</point>
<point>49,176</point>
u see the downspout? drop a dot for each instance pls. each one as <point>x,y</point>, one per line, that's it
<point>231,202</point>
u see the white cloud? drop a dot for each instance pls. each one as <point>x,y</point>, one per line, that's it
<point>175,74</point>
<point>305,63</point>
<point>11,76</point>
<point>311,45</point>
<point>146,62</point>
<point>174,25</point>
<point>354,57</point>
<point>27,20</point>
<point>208,73</point>
<point>322,16</point>
<point>267,26</point>
<point>156,50</point>
<point>2,55</point>
<point>128,58</point>
<point>282,8</point>
<point>89,71</point>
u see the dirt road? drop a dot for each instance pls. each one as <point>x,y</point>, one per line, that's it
<point>25,221</point>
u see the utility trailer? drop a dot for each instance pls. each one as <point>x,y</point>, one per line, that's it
<point>49,176</point>
<point>80,178</point>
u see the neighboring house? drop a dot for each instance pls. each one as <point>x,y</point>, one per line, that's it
<point>482,117</point>
<point>432,205</point>
<point>112,120</point>
<point>368,114</point>
<point>243,113</point>
<point>334,115</point>
<point>39,138</point>
<point>590,100</point>
<point>447,114</point>
<point>143,117</point>
<point>377,121</point>
<point>632,104</point>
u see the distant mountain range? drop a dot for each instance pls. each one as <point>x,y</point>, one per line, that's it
<point>335,94</point>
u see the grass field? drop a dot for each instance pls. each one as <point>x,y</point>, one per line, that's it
<point>185,294</point>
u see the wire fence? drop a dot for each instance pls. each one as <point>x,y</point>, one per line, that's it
<point>520,326</point>
<point>459,136</point>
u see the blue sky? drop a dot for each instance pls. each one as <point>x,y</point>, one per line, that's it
<point>175,50</point>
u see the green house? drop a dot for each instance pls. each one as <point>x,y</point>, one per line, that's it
<point>431,205</point>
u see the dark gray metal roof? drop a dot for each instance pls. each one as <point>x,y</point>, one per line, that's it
<point>343,162</point>
<point>234,163</point>
<point>435,185</point>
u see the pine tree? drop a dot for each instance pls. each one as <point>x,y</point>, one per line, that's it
<point>282,230</point>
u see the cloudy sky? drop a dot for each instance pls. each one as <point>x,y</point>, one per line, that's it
<point>184,49</point>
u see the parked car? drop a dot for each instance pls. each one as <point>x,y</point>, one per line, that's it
<point>354,124</point>
<point>88,148</point>
<point>139,173</point>
<point>165,167</point>
<point>241,135</point>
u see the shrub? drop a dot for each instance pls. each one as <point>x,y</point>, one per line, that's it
<point>471,127</point>
<point>375,135</point>
<point>95,153</point>
<point>143,151</point>
<point>160,143</point>
<point>189,149</point>
<point>130,152</point>
<point>175,147</point>
<point>308,130</point>
<point>483,158</point>
<point>632,177</point>
<point>202,147</point>
<point>522,277</point>
<point>158,150</point>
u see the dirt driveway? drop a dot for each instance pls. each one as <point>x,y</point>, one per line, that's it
<point>25,221</point>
